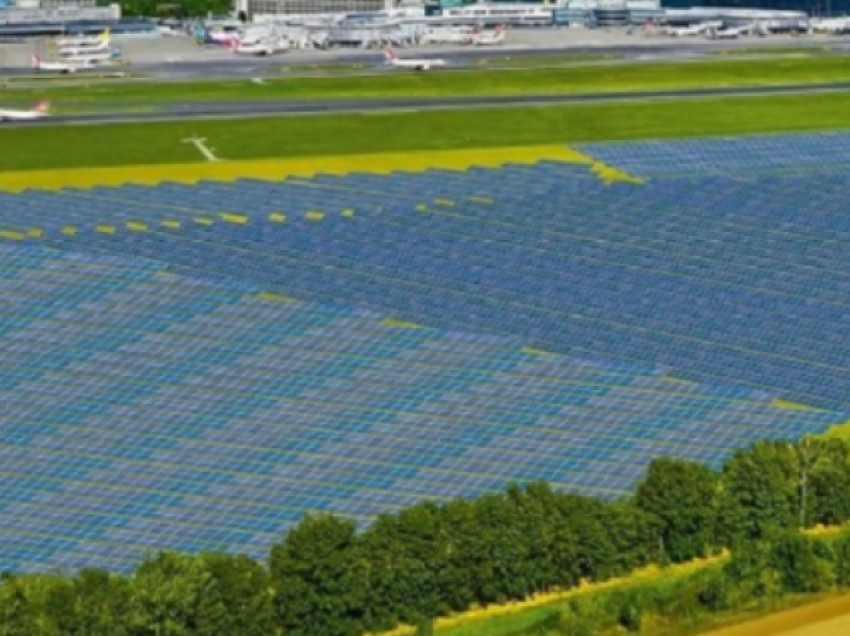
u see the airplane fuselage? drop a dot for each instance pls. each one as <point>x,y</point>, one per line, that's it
<point>38,112</point>
<point>417,65</point>
<point>83,50</point>
<point>23,115</point>
<point>261,48</point>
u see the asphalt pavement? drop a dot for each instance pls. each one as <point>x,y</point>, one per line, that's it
<point>275,108</point>
<point>196,63</point>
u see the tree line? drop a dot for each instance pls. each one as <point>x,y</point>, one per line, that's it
<point>167,9</point>
<point>760,575</point>
<point>324,578</point>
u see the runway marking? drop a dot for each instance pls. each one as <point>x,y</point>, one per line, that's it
<point>200,144</point>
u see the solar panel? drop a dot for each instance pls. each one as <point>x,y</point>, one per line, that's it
<point>453,331</point>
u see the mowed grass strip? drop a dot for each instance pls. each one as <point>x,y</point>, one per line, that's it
<point>315,136</point>
<point>474,81</point>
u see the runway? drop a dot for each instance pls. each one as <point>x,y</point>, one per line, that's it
<point>242,110</point>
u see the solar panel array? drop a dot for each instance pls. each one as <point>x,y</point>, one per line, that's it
<point>736,157</point>
<point>143,409</point>
<point>726,280</point>
<point>162,386</point>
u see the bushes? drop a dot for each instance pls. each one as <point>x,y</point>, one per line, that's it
<point>759,575</point>
<point>327,579</point>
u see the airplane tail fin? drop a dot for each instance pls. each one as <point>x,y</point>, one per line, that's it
<point>390,53</point>
<point>104,37</point>
<point>42,107</point>
<point>36,61</point>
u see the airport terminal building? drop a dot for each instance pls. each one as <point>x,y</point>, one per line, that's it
<point>608,9</point>
<point>44,17</point>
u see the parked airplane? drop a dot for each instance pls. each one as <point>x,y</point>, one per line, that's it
<point>722,34</point>
<point>83,40</point>
<point>449,35</point>
<point>732,33</point>
<point>103,45</point>
<point>832,26</point>
<point>497,36</point>
<point>58,67</point>
<point>217,38</point>
<point>416,64</point>
<point>696,29</point>
<point>42,109</point>
<point>93,58</point>
<point>266,46</point>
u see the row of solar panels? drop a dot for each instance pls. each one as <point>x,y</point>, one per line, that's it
<point>811,334</point>
<point>734,156</point>
<point>133,419</point>
<point>124,454</point>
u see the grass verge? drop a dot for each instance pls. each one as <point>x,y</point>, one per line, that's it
<point>777,50</point>
<point>339,135</point>
<point>277,169</point>
<point>513,618</point>
<point>399,84</point>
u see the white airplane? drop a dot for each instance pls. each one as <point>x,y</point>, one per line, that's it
<point>722,34</point>
<point>42,109</point>
<point>417,64</point>
<point>696,29</point>
<point>732,33</point>
<point>497,36</point>
<point>58,67</point>
<point>83,40</point>
<point>833,26</point>
<point>103,45</point>
<point>449,35</point>
<point>266,46</point>
<point>91,59</point>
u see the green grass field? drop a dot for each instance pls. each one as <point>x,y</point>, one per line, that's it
<point>128,144</point>
<point>778,50</point>
<point>395,84</point>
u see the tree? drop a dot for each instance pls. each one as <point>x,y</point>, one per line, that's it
<point>503,550</point>
<point>841,551</point>
<point>586,521</point>
<point>95,603</point>
<point>633,534</point>
<point>552,551</point>
<point>825,481</point>
<point>759,491</point>
<point>319,579</point>
<point>22,605</point>
<point>682,496</point>
<point>801,570</point>
<point>238,600</point>
<point>166,594</point>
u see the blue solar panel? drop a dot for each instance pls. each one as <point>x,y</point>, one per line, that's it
<point>161,389</point>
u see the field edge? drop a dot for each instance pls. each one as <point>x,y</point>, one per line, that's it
<point>278,169</point>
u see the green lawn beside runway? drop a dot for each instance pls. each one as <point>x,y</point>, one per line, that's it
<point>822,50</point>
<point>395,83</point>
<point>161,143</point>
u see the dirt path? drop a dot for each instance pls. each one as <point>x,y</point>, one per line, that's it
<point>827,618</point>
